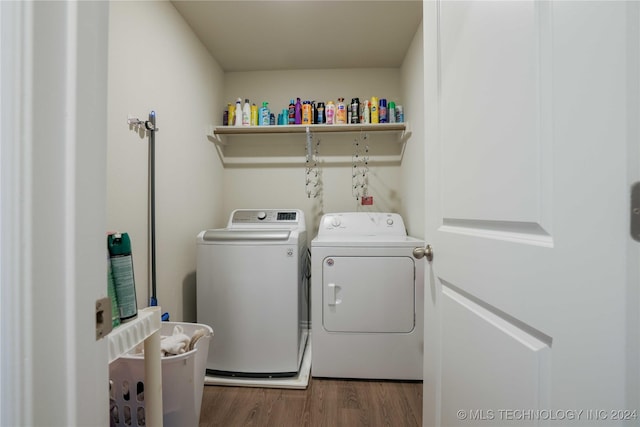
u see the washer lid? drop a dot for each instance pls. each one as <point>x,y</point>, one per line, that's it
<point>228,235</point>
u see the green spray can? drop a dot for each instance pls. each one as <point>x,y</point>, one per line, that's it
<point>119,246</point>
<point>111,293</point>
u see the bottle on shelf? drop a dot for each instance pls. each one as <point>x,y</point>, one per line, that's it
<point>374,110</point>
<point>355,111</point>
<point>320,119</point>
<point>292,112</point>
<point>382,111</point>
<point>298,112</point>
<point>314,113</point>
<point>366,112</point>
<point>330,111</point>
<point>264,114</point>
<point>238,120</point>
<point>254,115</point>
<point>341,112</point>
<point>225,116</point>
<point>306,113</point>
<point>232,115</point>
<point>246,113</point>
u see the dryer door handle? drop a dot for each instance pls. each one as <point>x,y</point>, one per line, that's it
<point>333,292</point>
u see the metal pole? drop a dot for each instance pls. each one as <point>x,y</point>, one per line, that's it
<point>152,200</point>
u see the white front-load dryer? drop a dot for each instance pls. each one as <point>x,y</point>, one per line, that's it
<point>367,298</point>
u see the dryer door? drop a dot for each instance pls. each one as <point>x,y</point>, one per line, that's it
<point>368,294</point>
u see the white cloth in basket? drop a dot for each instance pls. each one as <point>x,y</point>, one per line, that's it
<point>178,343</point>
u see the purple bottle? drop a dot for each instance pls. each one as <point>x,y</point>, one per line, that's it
<point>298,117</point>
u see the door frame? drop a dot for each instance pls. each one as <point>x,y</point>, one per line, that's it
<point>53,108</point>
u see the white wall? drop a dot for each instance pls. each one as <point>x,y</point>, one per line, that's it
<point>412,172</point>
<point>273,185</point>
<point>157,63</point>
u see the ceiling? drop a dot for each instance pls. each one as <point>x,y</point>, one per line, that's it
<point>265,35</point>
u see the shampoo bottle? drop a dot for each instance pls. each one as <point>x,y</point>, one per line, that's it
<point>292,113</point>
<point>246,113</point>
<point>320,117</point>
<point>355,110</point>
<point>306,113</point>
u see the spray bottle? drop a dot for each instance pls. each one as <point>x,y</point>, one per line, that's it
<point>111,293</point>
<point>121,259</point>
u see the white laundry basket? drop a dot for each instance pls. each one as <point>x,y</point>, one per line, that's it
<point>182,383</point>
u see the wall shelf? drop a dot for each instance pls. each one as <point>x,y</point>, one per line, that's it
<point>283,129</point>
<point>285,144</point>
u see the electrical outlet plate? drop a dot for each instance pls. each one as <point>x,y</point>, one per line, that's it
<point>103,318</point>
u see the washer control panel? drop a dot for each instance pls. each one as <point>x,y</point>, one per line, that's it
<point>266,216</point>
<point>362,223</point>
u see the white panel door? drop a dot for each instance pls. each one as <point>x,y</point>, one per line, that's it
<point>531,111</point>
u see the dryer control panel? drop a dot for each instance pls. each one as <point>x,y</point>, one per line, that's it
<point>361,224</point>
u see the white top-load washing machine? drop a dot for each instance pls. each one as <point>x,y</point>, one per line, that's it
<point>367,298</point>
<point>251,282</point>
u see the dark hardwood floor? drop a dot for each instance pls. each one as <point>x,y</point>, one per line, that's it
<point>325,402</point>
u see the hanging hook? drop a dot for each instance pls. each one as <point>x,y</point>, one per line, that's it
<point>148,124</point>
